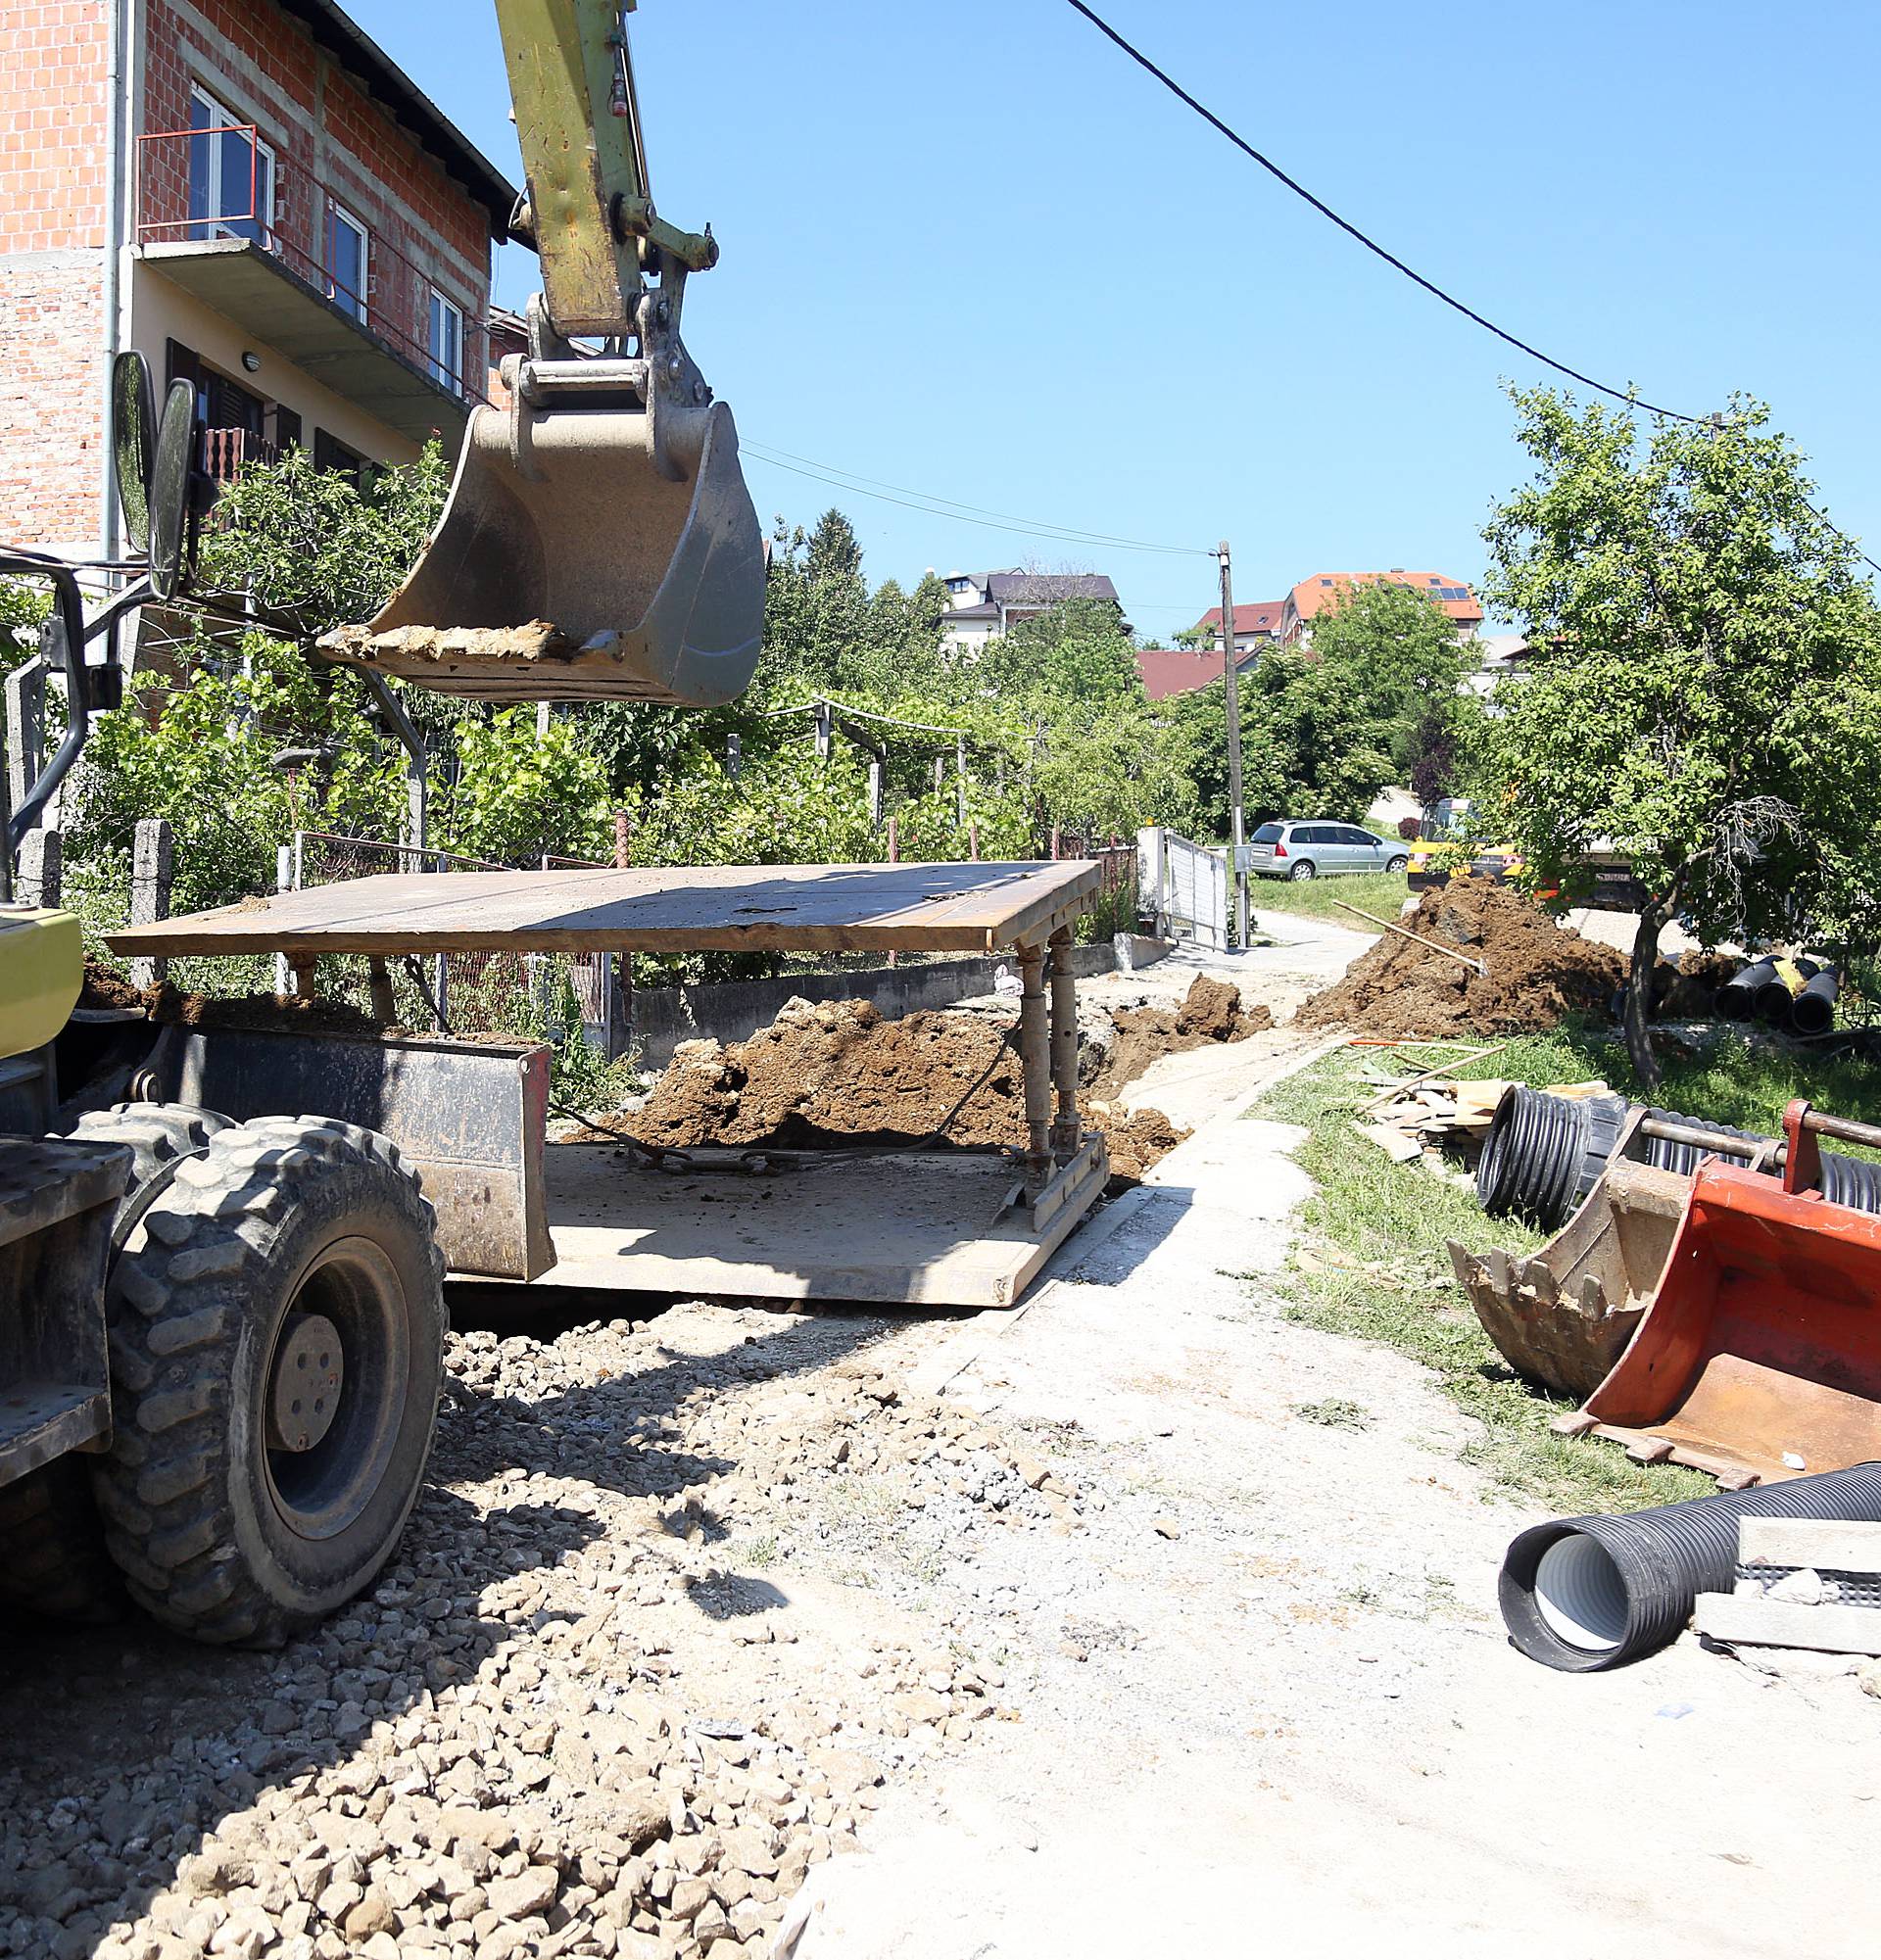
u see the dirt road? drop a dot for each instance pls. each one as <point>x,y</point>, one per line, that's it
<point>1143,1621</point>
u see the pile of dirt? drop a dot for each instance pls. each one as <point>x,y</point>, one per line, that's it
<point>837,1073</point>
<point>1212,1012</point>
<point>106,987</point>
<point>1538,972</point>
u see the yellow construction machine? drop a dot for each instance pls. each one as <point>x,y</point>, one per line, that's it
<point>221,1339</point>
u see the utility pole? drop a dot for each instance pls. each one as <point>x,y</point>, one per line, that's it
<point>1238,815</point>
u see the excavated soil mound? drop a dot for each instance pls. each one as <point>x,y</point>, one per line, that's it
<point>1212,1012</point>
<point>837,1073</point>
<point>1538,972</point>
<point>106,987</point>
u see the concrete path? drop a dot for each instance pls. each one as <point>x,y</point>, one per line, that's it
<point>1264,1701</point>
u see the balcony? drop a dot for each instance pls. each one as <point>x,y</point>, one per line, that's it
<point>271,248</point>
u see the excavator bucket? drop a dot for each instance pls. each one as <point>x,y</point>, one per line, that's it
<point>586,553</point>
<point>1759,1355</point>
<point>1562,1315</point>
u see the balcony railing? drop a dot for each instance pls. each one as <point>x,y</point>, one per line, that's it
<point>196,185</point>
<point>225,450</point>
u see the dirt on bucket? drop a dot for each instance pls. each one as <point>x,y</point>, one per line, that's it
<point>1538,972</point>
<point>838,1075</point>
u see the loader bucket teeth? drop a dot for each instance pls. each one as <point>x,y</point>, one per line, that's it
<point>570,565</point>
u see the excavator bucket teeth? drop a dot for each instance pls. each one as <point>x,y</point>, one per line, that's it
<point>1759,1355</point>
<point>568,568</point>
<point>1564,1315</point>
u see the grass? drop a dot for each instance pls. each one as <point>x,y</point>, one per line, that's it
<point>1336,1413</point>
<point>1379,891</point>
<point>1373,1263</point>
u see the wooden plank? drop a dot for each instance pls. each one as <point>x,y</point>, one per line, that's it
<point>761,908</point>
<point>1831,1629</point>
<point>1828,1545</point>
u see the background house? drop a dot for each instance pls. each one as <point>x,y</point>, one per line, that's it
<point>1255,625</point>
<point>255,197</point>
<point>986,606</point>
<point>1311,597</point>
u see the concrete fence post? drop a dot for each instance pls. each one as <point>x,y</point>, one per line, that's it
<point>153,864</point>
<point>40,876</point>
<point>25,710</point>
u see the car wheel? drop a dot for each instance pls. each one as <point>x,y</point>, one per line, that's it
<point>1304,870</point>
<point>1397,865</point>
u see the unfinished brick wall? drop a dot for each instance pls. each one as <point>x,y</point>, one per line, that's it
<point>53,126</point>
<point>331,141</point>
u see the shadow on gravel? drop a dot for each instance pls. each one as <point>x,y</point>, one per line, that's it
<point>121,1746</point>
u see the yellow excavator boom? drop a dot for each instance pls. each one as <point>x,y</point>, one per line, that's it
<point>600,542</point>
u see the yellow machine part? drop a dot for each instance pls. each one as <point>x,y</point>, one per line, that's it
<point>43,968</point>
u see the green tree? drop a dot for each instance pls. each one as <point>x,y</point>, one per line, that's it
<point>1107,767</point>
<point>1075,651</point>
<point>520,794</point>
<point>311,548</point>
<point>1713,706</point>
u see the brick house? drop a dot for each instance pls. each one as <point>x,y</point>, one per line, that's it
<point>255,197</point>
<point>1311,597</point>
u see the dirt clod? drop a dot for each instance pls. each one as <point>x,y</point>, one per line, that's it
<point>1212,1012</point>
<point>1538,972</point>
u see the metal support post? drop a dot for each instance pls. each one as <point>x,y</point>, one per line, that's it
<point>875,796</point>
<point>283,882</point>
<point>825,722</point>
<point>1035,1061</point>
<point>960,779</point>
<point>25,706</point>
<point>379,980</point>
<point>1066,1130</point>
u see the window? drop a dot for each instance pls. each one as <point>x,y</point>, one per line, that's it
<point>335,455</point>
<point>1268,834</point>
<point>287,428</point>
<point>445,338</point>
<point>346,261</point>
<point>231,176</point>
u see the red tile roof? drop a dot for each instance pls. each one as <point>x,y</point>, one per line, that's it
<point>1263,616</point>
<point>1178,670</point>
<point>1313,596</point>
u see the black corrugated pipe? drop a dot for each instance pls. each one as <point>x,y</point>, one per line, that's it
<point>1737,998</point>
<point>1664,1153</point>
<point>1544,1154</point>
<point>1774,1000</point>
<point>1815,1010</point>
<point>1583,1594</point>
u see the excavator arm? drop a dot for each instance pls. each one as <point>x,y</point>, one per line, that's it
<point>600,542</point>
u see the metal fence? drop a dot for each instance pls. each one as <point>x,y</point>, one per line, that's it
<point>484,992</point>
<point>1183,889</point>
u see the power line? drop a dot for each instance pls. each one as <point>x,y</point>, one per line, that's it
<point>1056,534</point>
<point>980,509</point>
<point>1372,245</point>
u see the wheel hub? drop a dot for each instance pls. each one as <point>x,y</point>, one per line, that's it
<point>310,1370</point>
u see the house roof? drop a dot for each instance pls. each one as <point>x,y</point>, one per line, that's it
<point>1313,596</point>
<point>1177,669</point>
<point>408,106</point>
<point>1263,616</point>
<point>1047,587</point>
<point>959,612</point>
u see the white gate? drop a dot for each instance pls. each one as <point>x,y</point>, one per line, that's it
<point>1184,885</point>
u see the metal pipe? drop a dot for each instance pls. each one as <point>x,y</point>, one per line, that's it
<point>1034,1057</point>
<point>1065,1131</point>
<point>117,109</point>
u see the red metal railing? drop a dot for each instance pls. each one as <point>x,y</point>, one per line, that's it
<point>184,181</point>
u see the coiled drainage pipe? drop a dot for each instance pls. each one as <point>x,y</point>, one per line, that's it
<point>1544,1154</point>
<point>1584,1594</point>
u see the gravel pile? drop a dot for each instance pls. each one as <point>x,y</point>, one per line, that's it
<point>571,1719</point>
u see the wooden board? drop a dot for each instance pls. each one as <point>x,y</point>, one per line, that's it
<point>922,1228</point>
<point>848,908</point>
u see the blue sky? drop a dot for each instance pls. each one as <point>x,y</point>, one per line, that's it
<point>971,250</point>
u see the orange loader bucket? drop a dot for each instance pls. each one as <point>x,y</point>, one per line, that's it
<point>1759,1357</point>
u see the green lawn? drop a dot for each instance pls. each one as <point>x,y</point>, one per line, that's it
<point>1378,891</point>
<point>1373,1261</point>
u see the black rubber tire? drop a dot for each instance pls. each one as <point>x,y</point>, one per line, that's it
<point>1397,865</point>
<point>280,1212</point>
<point>1302,871</point>
<point>52,1549</point>
<point>159,1134</point>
